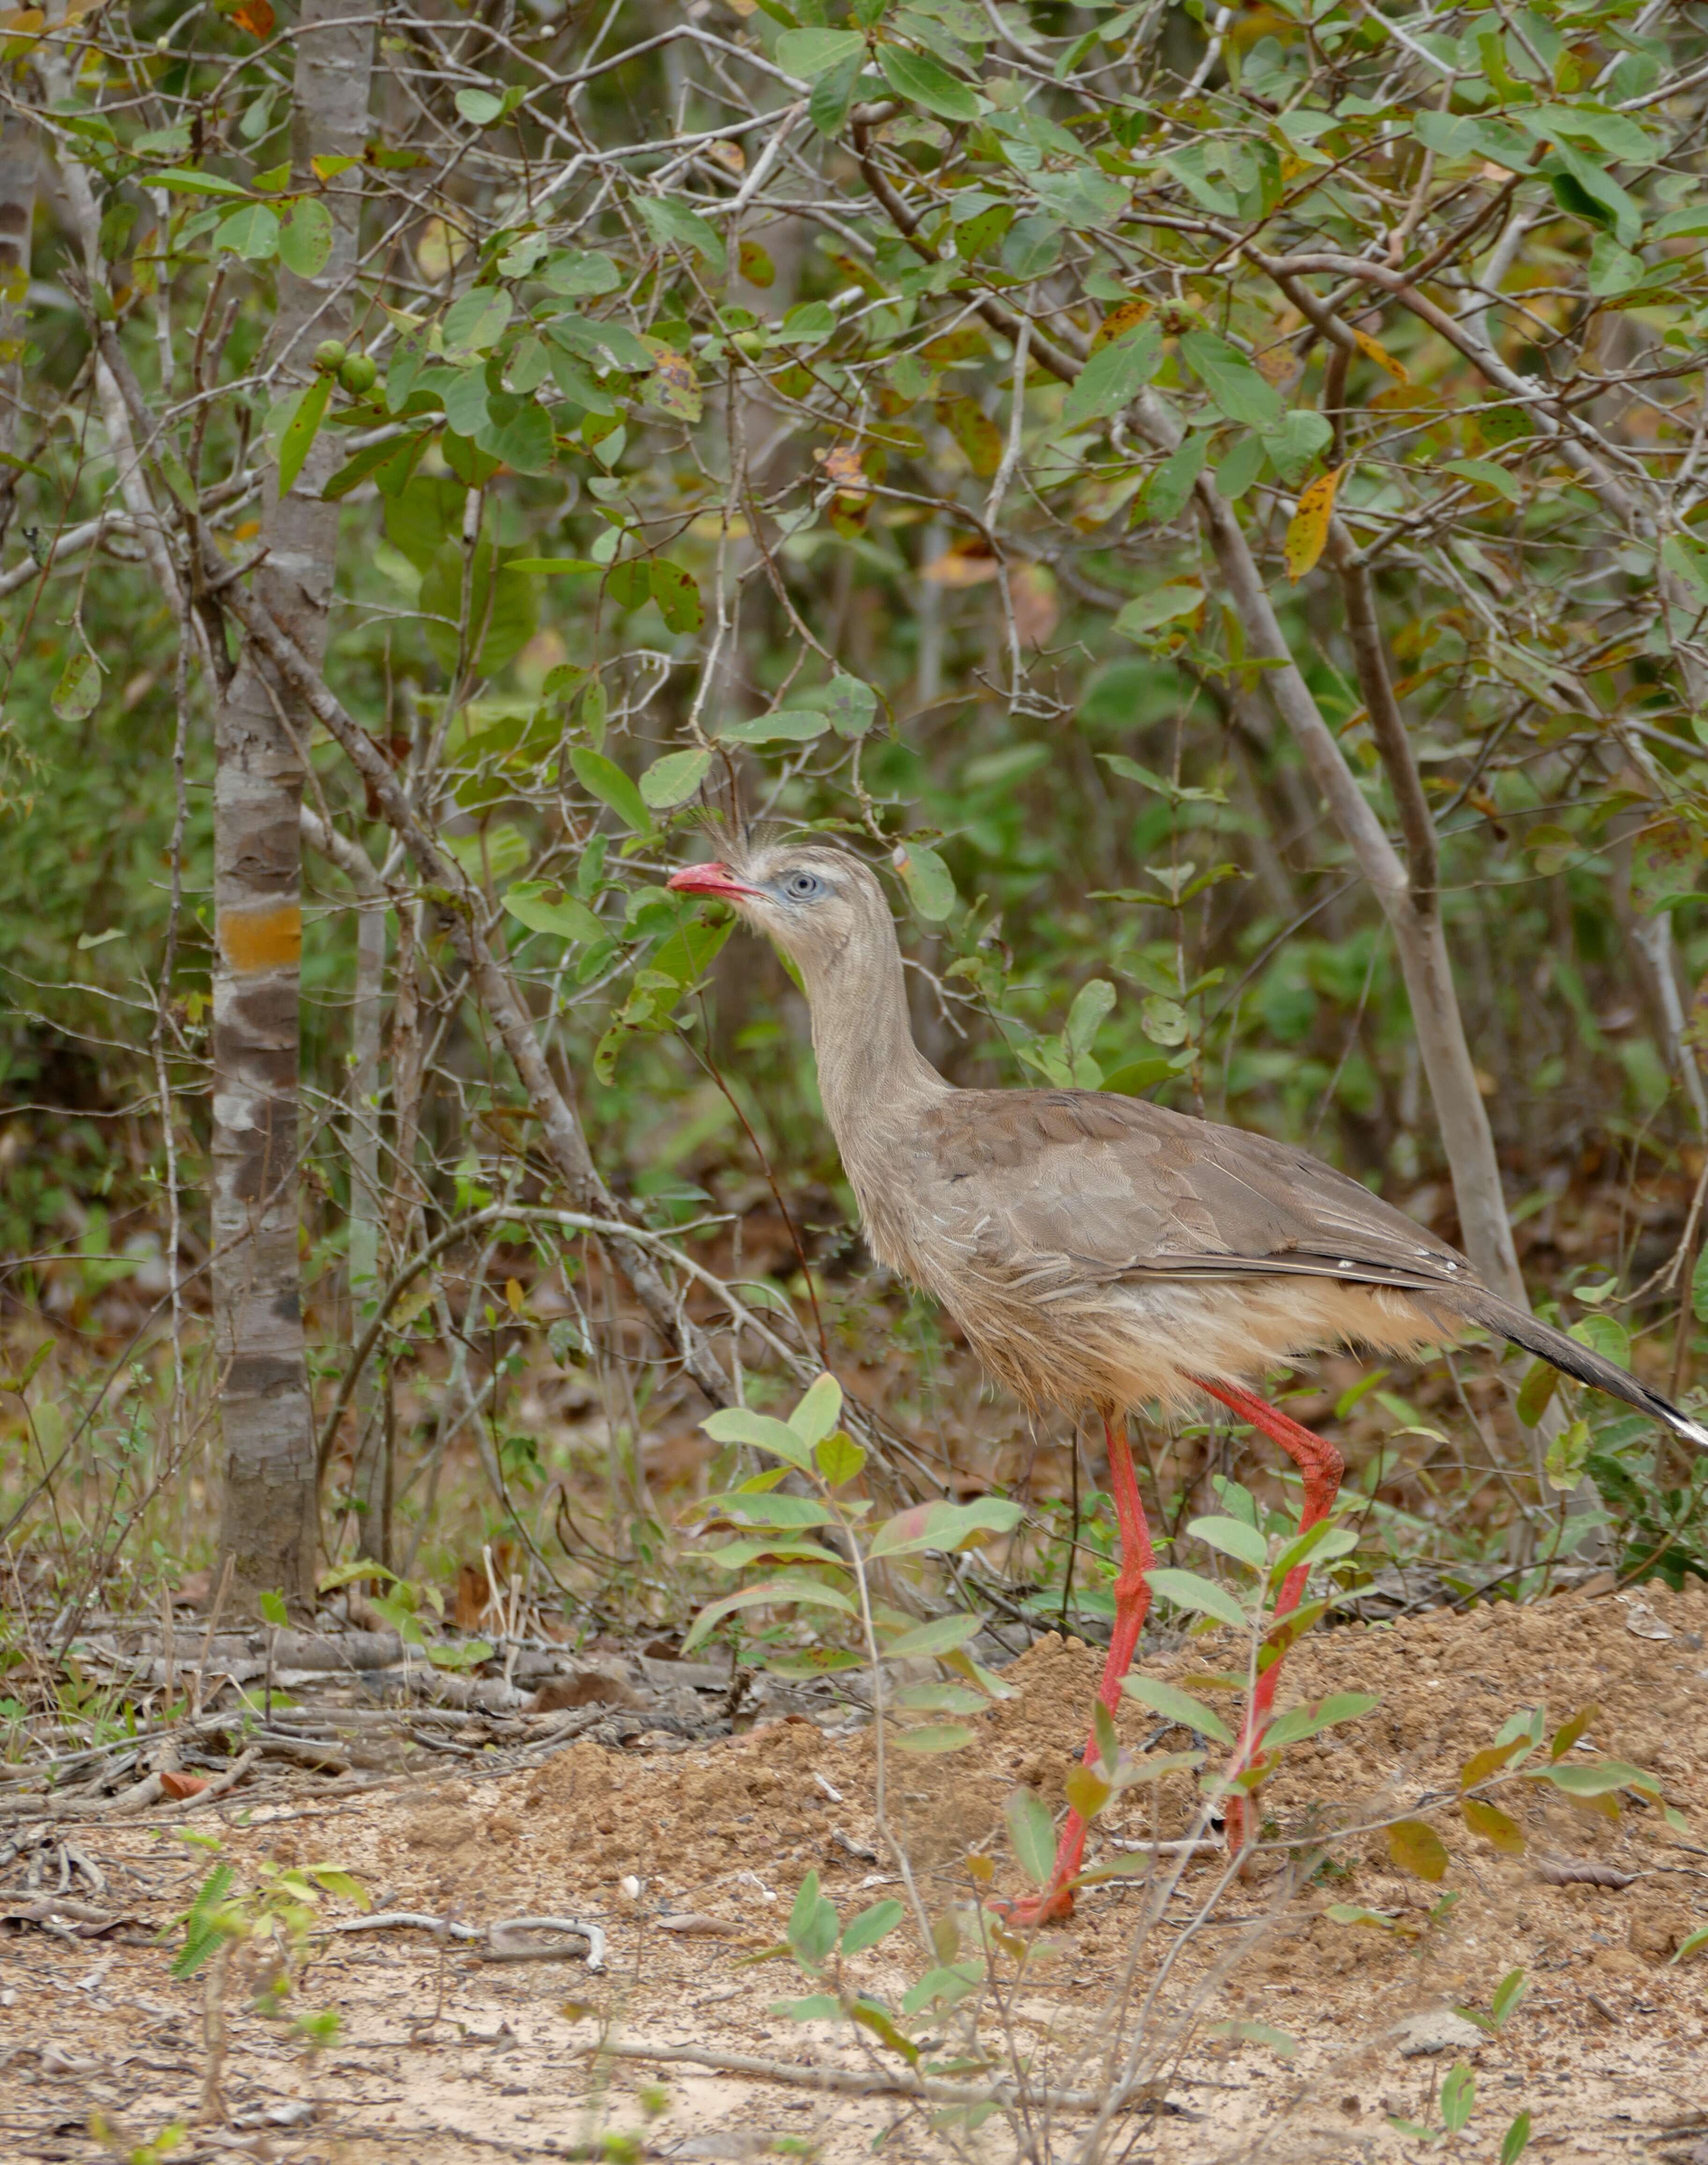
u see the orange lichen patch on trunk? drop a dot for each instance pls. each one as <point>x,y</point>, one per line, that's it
<point>252,941</point>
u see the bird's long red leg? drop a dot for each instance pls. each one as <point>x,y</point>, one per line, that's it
<point>1322,1467</point>
<point>1132,1598</point>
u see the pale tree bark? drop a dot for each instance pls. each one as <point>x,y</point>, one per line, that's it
<point>269,1516</point>
<point>373,1471</point>
<point>464,915</point>
<point>1408,900</point>
<point>370,1400</point>
<point>19,161</point>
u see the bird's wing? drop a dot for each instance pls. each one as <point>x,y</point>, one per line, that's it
<point>1087,1185</point>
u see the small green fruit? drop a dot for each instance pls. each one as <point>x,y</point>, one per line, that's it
<point>751,343</point>
<point>329,355</point>
<point>359,375</point>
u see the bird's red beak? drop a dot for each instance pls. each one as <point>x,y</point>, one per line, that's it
<point>715,880</point>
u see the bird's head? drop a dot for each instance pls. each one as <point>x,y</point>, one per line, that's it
<point>821,906</point>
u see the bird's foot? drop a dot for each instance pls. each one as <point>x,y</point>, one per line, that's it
<point>1054,1906</point>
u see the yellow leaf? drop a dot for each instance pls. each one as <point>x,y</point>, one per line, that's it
<point>1120,318</point>
<point>1415,1848</point>
<point>1373,351</point>
<point>1494,1825</point>
<point>1308,529</point>
<point>1087,1793</point>
<point>512,1293</point>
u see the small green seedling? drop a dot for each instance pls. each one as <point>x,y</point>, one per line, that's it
<point>1508,1993</point>
<point>785,1534</point>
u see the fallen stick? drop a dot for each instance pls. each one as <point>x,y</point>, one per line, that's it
<point>497,1942</point>
<point>854,2081</point>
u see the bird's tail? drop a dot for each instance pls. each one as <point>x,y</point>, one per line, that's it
<point>1554,1347</point>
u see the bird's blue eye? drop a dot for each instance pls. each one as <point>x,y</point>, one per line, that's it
<point>803,887</point>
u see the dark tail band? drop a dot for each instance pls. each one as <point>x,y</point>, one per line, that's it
<point>1565,1353</point>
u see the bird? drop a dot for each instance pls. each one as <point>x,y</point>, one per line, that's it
<point>1102,1251</point>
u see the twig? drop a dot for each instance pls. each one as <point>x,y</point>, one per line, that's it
<point>497,1942</point>
<point>855,2081</point>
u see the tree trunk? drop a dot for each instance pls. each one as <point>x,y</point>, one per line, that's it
<point>1466,1135</point>
<point>261,737</point>
<point>373,1429</point>
<point>18,157</point>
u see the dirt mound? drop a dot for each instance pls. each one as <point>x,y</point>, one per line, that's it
<point>1607,2044</point>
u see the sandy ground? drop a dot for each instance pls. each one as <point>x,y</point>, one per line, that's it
<point>439,2056</point>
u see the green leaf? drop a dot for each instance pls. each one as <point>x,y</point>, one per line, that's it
<point>736,1556</point>
<point>944,1526</point>
<point>301,430</point>
<point>1167,1699</point>
<point>871,1926</point>
<point>517,431</point>
<point>810,54</point>
<point>1234,385</point>
<point>1165,494</point>
<point>839,1459</point>
<point>274,1609</point>
<point>814,2007</point>
<point>479,108</point>
<point>850,705</point>
<point>1233,1537</point>
<point>1464,136</point>
<point>786,726</point>
<point>477,321</point>
<point>1458,2098</point>
<point>673,779</point>
<point>1567,1457</point>
<point>184,180</point>
<point>252,233</point>
<point>1687,560</point>
<point>677,594</point>
<point>543,907</point>
<point>1186,1590</point>
<point>923,82</point>
<point>1508,1993</point>
<point>1093,1004</point>
<point>1599,1780</point>
<point>1536,1391</point>
<point>1693,1944</point>
<point>673,225</point>
<point>1515,2140</point>
<point>1607,198</point>
<point>1350,1913</point>
<point>552,566</point>
<point>577,272</point>
<point>934,1736</point>
<point>812,1923</point>
<point>781,1592</point>
<point>305,239</point>
<point>1114,377</point>
<point>602,777</point>
<point>927,879</point>
<point>942,1635</point>
<point>739,1424</point>
<point>752,1508</point>
<point>78,691</point>
<point>1301,1722</point>
<point>819,1411</point>
<point>1605,1334</point>
<point>1162,605</point>
<point>1031,1833</point>
<point>345,1884</point>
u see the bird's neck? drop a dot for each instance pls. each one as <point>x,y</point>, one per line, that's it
<point>870,1073</point>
